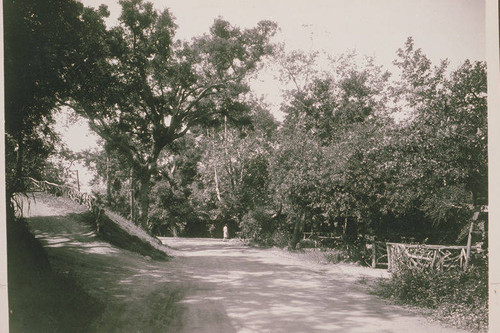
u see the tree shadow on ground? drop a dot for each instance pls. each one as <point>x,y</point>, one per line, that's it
<point>139,294</point>
<point>212,286</point>
<point>267,293</point>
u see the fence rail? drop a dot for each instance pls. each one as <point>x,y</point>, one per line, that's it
<point>64,190</point>
<point>439,257</point>
<point>317,237</point>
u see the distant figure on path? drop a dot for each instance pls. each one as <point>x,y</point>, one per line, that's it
<point>224,231</point>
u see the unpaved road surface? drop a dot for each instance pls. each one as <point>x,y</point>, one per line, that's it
<point>214,286</point>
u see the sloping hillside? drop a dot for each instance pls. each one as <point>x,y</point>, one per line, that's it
<point>108,226</point>
<point>42,299</point>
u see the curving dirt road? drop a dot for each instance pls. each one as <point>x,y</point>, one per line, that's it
<point>214,286</point>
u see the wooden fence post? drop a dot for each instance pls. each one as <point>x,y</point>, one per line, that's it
<point>78,180</point>
<point>469,240</point>
<point>467,254</point>
<point>132,194</point>
<point>389,257</point>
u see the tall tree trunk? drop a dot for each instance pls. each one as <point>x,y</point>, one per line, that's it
<point>108,179</point>
<point>350,229</point>
<point>131,194</point>
<point>298,229</point>
<point>19,158</point>
<point>14,184</point>
<point>144,179</point>
<point>216,178</point>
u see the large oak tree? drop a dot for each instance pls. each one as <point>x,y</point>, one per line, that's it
<point>142,90</point>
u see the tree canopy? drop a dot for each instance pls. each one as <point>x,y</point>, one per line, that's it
<point>41,40</point>
<point>361,152</point>
<point>141,89</point>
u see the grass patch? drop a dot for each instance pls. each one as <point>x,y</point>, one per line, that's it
<point>456,297</point>
<point>41,300</point>
<point>158,311</point>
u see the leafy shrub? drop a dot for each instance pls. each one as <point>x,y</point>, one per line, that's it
<point>459,297</point>
<point>339,250</point>
<point>335,257</point>
<point>351,252</point>
<point>330,243</point>
<point>259,226</point>
<point>280,238</point>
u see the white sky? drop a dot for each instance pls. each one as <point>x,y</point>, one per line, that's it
<point>452,29</point>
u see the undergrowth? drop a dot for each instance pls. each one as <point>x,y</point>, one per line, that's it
<point>455,296</point>
<point>339,251</point>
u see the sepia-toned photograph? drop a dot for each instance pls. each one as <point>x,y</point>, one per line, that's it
<point>249,166</point>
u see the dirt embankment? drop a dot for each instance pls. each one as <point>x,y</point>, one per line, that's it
<point>108,225</point>
<point>124,234</point>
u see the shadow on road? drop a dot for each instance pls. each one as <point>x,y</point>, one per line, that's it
<point>214,286</point>
<point>264,292</point>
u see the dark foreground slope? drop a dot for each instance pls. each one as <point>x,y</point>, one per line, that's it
<point>41,299</point>
<point>132,292</point>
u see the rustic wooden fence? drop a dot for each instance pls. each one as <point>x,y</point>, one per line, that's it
<point>63,190</point>
<point>378,254</point>
<point>396,255</point>
<point>316,236</point>
<point>437,257</point>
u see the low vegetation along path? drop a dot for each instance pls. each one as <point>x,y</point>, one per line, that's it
<point>213,286</point>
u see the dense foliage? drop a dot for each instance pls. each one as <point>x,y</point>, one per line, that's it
<point>358,155</point>
<point>458,297</point>
<point>40,43</point>
<point>185,149</point>
<point>142,90</point>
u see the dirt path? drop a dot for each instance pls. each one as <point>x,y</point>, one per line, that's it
<point>214,286</point>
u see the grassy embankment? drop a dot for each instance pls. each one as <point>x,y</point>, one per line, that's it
<point>41,300</point>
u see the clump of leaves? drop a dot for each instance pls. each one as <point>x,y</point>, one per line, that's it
<point>458,297</point>
<point>280,238</point>
<point>259,226</point>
